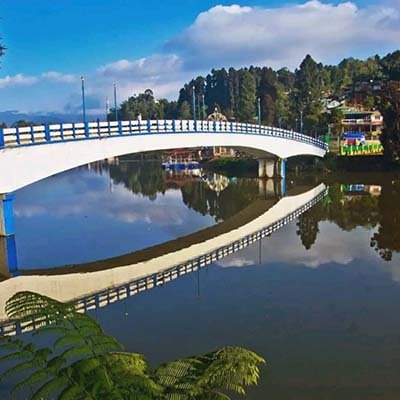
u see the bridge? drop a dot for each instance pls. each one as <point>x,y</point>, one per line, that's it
<point>30,154</point>
<point>100,283</point>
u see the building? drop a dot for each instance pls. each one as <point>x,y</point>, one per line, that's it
<point>369,123</point>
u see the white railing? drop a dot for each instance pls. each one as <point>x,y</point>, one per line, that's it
<point>55,133</point>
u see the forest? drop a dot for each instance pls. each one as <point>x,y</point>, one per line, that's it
<point>288,99</point>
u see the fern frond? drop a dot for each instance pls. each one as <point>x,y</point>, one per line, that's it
<point>32,380</point>
<point>72,392</point>
<point>70,339</point>
<point>51,387</point>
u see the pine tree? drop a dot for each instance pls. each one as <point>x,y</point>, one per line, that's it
<point>247,96</point>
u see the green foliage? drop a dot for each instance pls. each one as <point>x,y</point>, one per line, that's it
<point>85,363</point>
<point>210,376</point>
<point>247,99</point>
<point>390,106</point>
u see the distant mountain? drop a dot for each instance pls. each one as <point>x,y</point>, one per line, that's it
<point>11,116</point>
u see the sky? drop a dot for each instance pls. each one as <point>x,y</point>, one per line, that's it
<point>163,44</point>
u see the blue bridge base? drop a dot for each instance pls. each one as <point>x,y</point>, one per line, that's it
<point>7,226</point>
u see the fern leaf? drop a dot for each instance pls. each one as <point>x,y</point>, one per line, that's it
<point>50,387</point>
<point>72,392</point>
<point>69,339</point>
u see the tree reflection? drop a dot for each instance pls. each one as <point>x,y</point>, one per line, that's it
<point>352,206</point>
<point>199,189</point>
<point>308,225</point>
<point>348,206</point>
<point>387,239</point>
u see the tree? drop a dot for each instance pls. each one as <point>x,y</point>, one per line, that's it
<point>390,108</point>
<point>391,66</point>
<point>84,362</point>
<point>309,86</point>
<point>185,111</point>
<point>21,123</point>
<point>335,120</point>
<point>247,99</point>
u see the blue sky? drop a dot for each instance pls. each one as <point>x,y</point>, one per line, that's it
<point>162,44</point>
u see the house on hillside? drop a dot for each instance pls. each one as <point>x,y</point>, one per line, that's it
<point>369,123</point>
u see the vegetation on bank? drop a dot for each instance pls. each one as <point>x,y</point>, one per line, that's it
<point>231,166</point>
<point>83,362</point>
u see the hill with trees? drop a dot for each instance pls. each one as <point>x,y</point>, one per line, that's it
<point>289,99</point>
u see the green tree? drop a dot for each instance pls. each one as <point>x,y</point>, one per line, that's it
<point>21,123</point>
<point>335,120</point>
<point>185,111</point>
<point>85,363</point>
<point>391,66</point>
<point>309,86</point>
<point>247,99</point>
<point>390,108</point>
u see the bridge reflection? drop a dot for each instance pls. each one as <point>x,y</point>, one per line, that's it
<point>98,284</point>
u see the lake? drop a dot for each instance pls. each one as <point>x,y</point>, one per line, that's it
<point>318,298</point>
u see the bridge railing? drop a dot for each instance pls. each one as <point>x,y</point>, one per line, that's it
<point>55,133</point>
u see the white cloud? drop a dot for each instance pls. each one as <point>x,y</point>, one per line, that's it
<point>59,77</point>
<point>24,80</point>
<point>234,35</point>
<point>17,80</point>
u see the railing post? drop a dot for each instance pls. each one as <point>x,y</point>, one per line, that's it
<point>86,128</point>
<point>215,126</point>
<point>46,132</point>
<point>32,135</point>
<point>148,126</point>
<point>119,127</point>
<point>2,138</point>
<point>173,126</point>
<point>62,131</point>
<point>195,125</point>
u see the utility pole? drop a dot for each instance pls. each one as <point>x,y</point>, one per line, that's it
<point>115,102</point>
<point>259,111</point>
<point>204,106</point>
<point>83,100</point>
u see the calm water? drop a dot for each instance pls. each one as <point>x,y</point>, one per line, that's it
<point>319,299</point>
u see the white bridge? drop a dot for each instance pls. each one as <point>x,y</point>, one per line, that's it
<point>30,154</point>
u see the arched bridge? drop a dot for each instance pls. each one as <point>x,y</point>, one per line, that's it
<point>30,154</point>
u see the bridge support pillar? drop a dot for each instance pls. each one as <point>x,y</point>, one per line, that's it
<point>7,227</point>
<point>280,168</point>
<point>8,256</point>
<point>270,168</point>
<point>261,168</point>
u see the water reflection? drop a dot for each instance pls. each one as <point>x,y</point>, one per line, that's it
<point>371,206</point>
<point>318,297</point>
